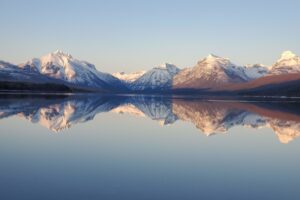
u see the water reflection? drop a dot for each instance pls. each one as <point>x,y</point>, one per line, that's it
<point>57,113</point>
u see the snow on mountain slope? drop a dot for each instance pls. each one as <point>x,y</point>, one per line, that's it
<point>210,72</point>
<point>129,77</point>
<point>5,66</point>
<point>13,73</point>
<point>62,66</point>
<point>158,78</point>
<point>288,63</point>
<point>255,71</point>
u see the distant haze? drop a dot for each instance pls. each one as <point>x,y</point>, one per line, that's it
<point>138,35</point>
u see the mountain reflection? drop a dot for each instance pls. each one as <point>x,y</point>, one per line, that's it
<point>210,117</point>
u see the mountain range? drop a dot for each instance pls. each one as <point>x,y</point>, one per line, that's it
<point>60,72</point>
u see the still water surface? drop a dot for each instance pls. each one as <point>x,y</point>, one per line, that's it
<point>147,147</point>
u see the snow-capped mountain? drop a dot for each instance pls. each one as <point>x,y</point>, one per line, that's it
<point>14,74</point>
<point>5,66</point>
<point>255,71</point>
<point>288,63</point>
<point>129,78</point>
<point>158,78</point>
<point>210,72</point>
<point>63,66</point>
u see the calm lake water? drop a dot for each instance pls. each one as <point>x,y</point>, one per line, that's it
<point>148,147</point>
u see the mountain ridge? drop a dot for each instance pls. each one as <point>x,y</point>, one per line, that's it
<point>212,73</point>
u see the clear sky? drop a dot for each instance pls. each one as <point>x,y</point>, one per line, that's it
<point>131,35</point>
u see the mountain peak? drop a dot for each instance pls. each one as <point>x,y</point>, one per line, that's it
<point>287,55</point>
<point>171,68</point>
<point>61,53</point>
<point>288,63</point>
<point>158,78</point>
<point>212,56</point>
<point>167,66</point>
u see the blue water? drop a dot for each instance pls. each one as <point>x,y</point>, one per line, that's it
<point>127,156</point>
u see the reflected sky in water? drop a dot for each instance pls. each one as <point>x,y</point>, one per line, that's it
<point>137,147</point>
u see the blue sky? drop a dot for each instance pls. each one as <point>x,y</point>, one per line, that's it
<point>131,35</point>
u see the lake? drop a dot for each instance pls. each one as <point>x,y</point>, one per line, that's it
<point>148,147</point>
